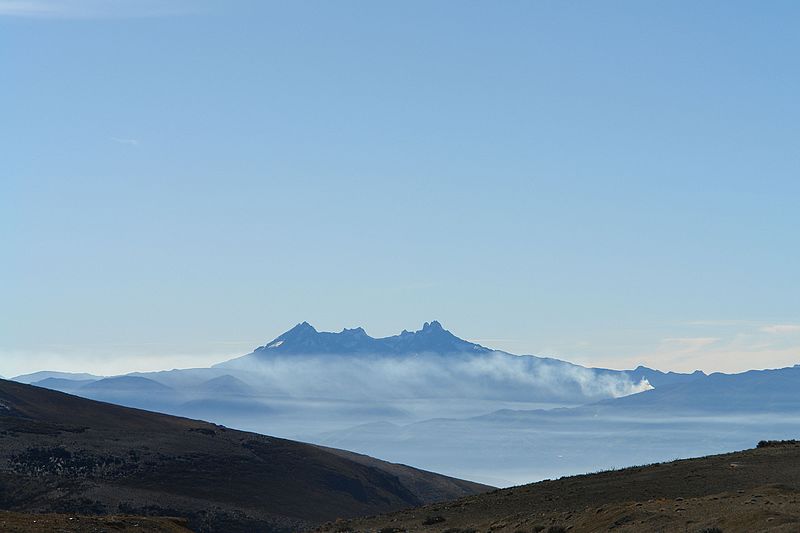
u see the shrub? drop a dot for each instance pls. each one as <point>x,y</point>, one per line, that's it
<point>556,529</point>
<point>429,521</point>
<point>776,443</point>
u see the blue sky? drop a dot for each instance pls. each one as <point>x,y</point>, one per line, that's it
<point>606,182</point>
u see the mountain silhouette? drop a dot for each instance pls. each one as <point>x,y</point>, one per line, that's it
<point>306,340</point>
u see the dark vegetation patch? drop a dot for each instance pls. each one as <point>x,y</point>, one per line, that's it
<point>778,443</point>
<point>58,461</point>
<point>203,431</point>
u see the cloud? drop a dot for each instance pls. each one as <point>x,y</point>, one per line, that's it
<point>687,345</point>
<point>690,343</point>
<point>67,9</point>
<point>781,328</point>
<point>28,8</point>
<point>726,323</point>
<point>113,359</point>
<point>751,348</point>
<point>131,142</point>
<point>493,376</point>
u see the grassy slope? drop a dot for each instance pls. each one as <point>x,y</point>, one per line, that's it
<point>753,490</point>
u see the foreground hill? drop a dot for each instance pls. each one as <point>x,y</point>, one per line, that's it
<point>61,453</point>
<point>753,490</point>
<point>70,523</point>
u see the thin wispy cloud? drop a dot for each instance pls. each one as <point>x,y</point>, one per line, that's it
<point>94,8</point>
<point>723,323</point>
<point>690,343</point>
<point>781,328</point>
<point>130,142</point>
<point>749,348</point>
<point>28,8</point>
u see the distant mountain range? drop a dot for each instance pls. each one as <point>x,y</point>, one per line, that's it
<point>308,378</point>
<point>304,363</point>
<point>755,391</point>
<point>46,374</point>
<point>432,399</point>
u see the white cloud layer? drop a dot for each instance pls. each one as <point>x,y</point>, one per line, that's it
<point>782,328</point>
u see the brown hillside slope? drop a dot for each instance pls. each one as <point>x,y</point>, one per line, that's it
<point>70,523</point>
<point>61,453</point>
<point>749,491</point>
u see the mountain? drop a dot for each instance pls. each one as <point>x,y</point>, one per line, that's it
<point>61,453</point>
<point>430,362</point>
<point>124,384</point>
<point>63,385</point>
<point>432,339</point>
<point>742,492</point>
<point>39,376</point>
<point>226,385</point>
<point>304,339</point>
<point>131,391</point>
<point>306,382</point>
<point>658,379</point>
<point>755,391</point>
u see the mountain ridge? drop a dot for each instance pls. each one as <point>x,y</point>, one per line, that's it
<point>305,339</point>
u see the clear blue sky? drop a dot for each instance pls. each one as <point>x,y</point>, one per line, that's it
<point>607,182</point>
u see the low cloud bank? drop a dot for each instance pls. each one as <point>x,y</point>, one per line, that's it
<point>496,375</point>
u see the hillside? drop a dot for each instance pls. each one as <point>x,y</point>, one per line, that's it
<point>61,453</point>
<point>752,490</point>
<point>71,523</point>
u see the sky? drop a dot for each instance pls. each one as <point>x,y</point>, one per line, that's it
<point>610,183</point>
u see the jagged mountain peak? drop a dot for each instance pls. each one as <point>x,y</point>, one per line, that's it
<point>303,328</point>
<point>305,339</point>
